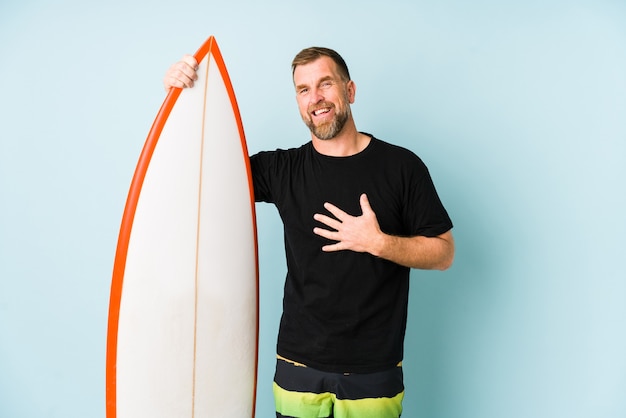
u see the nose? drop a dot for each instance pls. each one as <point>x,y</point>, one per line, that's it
<point>316,96</point>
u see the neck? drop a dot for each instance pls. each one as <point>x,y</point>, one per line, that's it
<point>348,142</point>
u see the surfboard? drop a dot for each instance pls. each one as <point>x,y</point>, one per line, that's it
<point>183,313</point>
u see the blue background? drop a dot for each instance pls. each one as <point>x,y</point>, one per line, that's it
<point>518,108</point>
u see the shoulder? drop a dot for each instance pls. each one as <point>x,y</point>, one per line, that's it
<point>396,154</point>
<point>279,154</point>
<point>280,163</point>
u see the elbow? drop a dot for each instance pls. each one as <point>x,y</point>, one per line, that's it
<point>446,263</point>
<point>447,258</point>
<point>442,263</point>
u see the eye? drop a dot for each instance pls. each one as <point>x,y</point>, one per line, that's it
<point>303,91</point>
<point>326,84</point>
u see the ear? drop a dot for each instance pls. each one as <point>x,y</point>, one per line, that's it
<point>351,87</point>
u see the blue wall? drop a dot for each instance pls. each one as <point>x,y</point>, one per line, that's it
<point>518,108</point>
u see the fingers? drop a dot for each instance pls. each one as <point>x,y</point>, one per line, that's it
<point>333,247</point>
<point>332,236</point>
<point>325,233</point>
<point>365,204</point>
<point>327,220</point>
<point>181,74</point>
<point>339,214</point>
<point>190,61</point>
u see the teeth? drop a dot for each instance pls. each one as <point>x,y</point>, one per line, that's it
<point>321,111</point>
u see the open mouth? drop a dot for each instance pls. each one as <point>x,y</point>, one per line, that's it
<point>321,111</point>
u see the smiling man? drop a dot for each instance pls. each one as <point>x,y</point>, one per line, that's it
<point>358,214</point>
<point>325,119</point>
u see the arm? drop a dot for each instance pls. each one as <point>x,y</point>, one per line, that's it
<point>428,253</point>
<point>363,234</point>
<point>181,74</point>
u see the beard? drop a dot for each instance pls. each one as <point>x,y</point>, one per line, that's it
<point>329,130</point>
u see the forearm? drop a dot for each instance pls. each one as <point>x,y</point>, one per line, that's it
<point>426,253</point>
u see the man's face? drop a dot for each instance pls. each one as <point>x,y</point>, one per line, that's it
<point>323,97</point>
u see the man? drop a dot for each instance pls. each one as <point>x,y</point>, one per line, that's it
<point>358,213</point>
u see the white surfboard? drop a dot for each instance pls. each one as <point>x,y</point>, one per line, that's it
<point>183,316</point>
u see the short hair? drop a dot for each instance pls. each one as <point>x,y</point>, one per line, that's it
<point>308,55</point>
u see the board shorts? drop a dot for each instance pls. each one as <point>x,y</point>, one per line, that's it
<point>303,392</point>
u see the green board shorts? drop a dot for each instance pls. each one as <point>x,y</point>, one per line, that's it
<point>303,392</point>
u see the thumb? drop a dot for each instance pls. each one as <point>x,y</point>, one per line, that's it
<point>365,204</point>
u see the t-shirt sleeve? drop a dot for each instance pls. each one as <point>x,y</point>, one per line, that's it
<point>261,165</point>
<point>424,211</point>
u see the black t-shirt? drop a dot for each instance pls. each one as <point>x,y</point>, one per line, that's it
<point>346,311</point>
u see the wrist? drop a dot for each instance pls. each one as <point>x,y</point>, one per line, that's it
<point>380,244</point>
